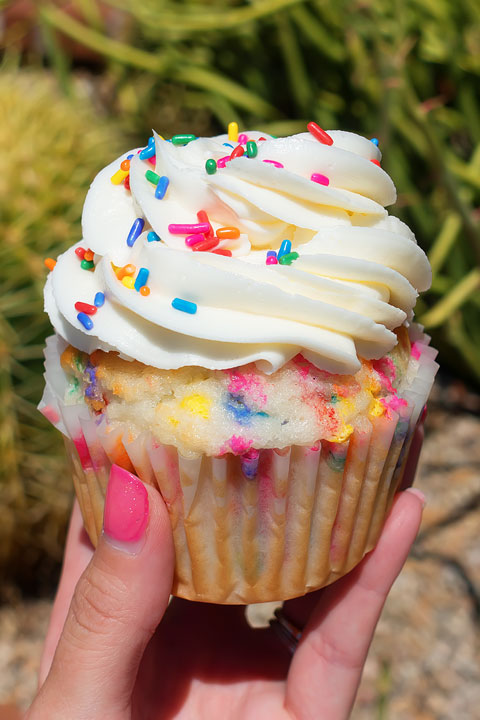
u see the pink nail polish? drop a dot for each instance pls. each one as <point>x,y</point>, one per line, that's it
<point>125,516</point>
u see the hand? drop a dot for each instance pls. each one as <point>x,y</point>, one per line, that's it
<point>114,661</point>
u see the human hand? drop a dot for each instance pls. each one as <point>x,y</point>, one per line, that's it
<point>205,661</point>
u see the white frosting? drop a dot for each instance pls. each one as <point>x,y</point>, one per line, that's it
<point>355,281</point>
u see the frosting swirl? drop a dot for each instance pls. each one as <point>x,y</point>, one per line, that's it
<point>356,278</point>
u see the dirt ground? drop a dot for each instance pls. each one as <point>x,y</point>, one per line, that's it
<point>424,661</point>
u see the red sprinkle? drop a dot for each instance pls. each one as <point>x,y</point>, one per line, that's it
<point>80,252</point>
<point>237,152</point>
<point>86,308</point>
<point>205,245</point>
<point>222,251</point>
<point>126,182</point>
<point>262,138</point>
<point>203,218</point>
<point>376,162</point>
<point>319,134</point>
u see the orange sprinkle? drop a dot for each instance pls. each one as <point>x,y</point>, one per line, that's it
<point>228,233</point>
<point>145,290</point>
<point>125,270</point>
<point>50,263</point>
<point>125,165</point>
<point>88,255</point>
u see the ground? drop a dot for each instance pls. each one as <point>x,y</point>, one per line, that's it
<point>424,661</point>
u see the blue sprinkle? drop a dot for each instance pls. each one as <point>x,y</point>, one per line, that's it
<point>374,141</point>
<point>271,253</point>
<point>285,248</point>
<point>161,188</point>
<point>153,237</point>
<point>149,151</point>
<point>228,145</point>
<point>135,231</point>
<point>142,278</point>
<point>261,413</point>
<point>249,464</point>
<point>99,299</point>
<point>184,305</point>
<point>129,157</point>
<point>85,320</point>
<point>236,407</point>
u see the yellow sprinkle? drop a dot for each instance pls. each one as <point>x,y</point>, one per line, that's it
<point>233,131</point>
<point>343,434</point>
<point>119,176</point>
<point>173,420</point>
<point>197,404</point>
<point>128,281</point>
<point>377,409</point>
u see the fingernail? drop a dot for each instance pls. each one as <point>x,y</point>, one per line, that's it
<point>423,416</point>
<point>125,516</point>
<point>418,493</point>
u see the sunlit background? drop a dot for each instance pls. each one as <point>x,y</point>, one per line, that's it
<point>82,81</point>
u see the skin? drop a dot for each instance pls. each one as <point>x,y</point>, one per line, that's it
<point>116,649</point>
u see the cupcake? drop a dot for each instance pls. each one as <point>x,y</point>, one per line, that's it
<point>236,327</point>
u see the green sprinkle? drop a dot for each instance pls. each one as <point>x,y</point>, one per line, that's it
<point>86,264</point>
<point>334,399</point>
<point>252,149</point>
<point>183,139</point>
<point>152,177</point>
<point>211,166</point>
<point>288,258</point>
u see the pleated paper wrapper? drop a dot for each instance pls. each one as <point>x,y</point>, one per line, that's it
<point>266,526</point>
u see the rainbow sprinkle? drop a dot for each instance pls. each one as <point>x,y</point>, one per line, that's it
<point>184,305</point>
<point>135,230</point>
<point>320,179</point>
<point>85,320</point>
<point>142,278</point>
<point>319,134</point>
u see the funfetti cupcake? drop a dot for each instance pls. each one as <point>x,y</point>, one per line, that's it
<point>235,327</point>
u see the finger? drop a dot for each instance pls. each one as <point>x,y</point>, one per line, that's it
<point>327,666</point>
<point>78,553</point>
<point>117,604</point>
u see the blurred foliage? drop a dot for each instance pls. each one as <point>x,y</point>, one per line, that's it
<point>50,148</point>
<point>405,71</point>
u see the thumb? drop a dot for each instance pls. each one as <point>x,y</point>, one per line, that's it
<point>116,607</point>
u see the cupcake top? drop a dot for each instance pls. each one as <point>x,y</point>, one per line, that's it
<point>219,252</point>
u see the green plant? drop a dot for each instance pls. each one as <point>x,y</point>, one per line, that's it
<point>50,149</point>
<point>406,71</point>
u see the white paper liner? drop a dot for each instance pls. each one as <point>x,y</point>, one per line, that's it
<point>266,526</point>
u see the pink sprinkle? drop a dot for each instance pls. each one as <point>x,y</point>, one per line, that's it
<point>273,162</point>
<point>394,403</point>
<point>152,160</point>
<point>320,179</point>
<point>51,414</point>
<point>239,445</point>
<point>223,161</point>
<point>242,139</point>
<point>82,449</point>
<point>247,383</point>
<point>184,229</point>
<point>415,350</point>
<point>194,239</point>
<point>271,260</point>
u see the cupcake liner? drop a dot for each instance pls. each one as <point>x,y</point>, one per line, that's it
<point>265,526</point>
